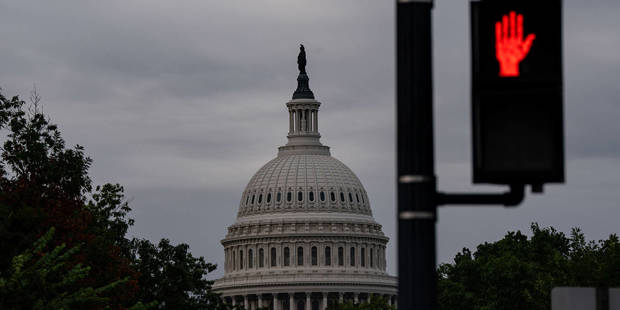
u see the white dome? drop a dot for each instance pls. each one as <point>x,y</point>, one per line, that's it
<point>304,183</point>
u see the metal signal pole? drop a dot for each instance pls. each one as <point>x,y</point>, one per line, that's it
<point>417,208</point>
<point>418,197</point>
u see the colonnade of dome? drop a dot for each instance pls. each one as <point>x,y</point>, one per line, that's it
<point>344,254</point>
<point>302,300</point>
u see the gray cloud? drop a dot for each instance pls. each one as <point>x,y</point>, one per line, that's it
<point>183,101</point>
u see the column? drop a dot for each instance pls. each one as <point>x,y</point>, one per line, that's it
<point>260,300</point>
<point>276,304</point>
<point>355,297</point>
<point>226,259</point>
<point>297,120</point>
<point>290,121</point>
<point>340,297</point>
<point>316,121</point>
<point>324,306</point>
<point>234,301</point>
<point>302,122</point>
<point>308,305</point>
<point>305,120</point>
<point>291,303</point>
<point>389,300</point>
<point>245,301</point>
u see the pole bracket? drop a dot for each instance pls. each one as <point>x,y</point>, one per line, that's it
<point>511,198</point>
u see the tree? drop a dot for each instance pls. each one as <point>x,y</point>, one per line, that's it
<point>172,276</point>
<point>375,303</point>
<point>43,184</point>
<point>56,285</point>
<point>518,272</point>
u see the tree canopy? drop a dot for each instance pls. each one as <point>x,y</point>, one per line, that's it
<point>45,186</point>
<point>518,272</point>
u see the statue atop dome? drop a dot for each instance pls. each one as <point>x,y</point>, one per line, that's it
<point>303,89</point>
<point>301,59</point>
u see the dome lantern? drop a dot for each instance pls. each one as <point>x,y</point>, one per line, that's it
<point>303,135</point>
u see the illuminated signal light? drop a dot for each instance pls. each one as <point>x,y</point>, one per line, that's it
<point>510,48</point>
<point>517,92</point>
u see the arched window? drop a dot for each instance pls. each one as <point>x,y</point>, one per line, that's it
<point>247,199</point>
<point>363,257</point>
<point>372,258</point>
<point>261,258</point>
<point>250,258</point>
<point>311,196</point>
<point>350,198</point>
<point>253,196</point>
<point>300,256</point>
<point>340,256</point>
<point>279,197</point>
<point>362,198</point>
<point>342,196</point>
<point>273,257</point>
<point>260,198</point>
<point>328,256</point>
<point>333,196</point>
<point>300,196</point>
<point>357,197</point>
<point>240,259</point>
<point>287,256</point>
<point>322,196</point>
<point>289,196</point>
<point>314,256</point>
<point>269,198</point>
<point>352,256</point>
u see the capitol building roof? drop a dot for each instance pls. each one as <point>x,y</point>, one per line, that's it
<point>304,183</point>
<point>304,235</point>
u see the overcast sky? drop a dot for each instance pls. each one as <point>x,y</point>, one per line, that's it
<point>183,101</point>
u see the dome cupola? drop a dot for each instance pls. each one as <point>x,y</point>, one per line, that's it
<point>303,110</point>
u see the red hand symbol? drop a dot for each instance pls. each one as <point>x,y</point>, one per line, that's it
<point>510,48</point>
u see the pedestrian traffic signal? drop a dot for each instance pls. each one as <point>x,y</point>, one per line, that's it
<point>517,92</point>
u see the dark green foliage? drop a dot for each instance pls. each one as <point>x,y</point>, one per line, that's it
<point>42,279</point>
<point>42,185</point>
<point>172,276</point>
<point>518,272</point>
<point>375,303</point>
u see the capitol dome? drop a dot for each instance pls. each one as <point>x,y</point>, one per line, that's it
<point>304,235</point>
<point>304,183</point>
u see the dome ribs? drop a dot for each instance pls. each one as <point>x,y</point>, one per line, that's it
<point>304,173</point>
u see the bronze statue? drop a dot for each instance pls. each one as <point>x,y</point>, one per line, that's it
<point>301,59</point>
<point>303,89</point>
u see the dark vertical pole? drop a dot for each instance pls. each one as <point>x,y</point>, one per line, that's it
<point>416,168</point>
